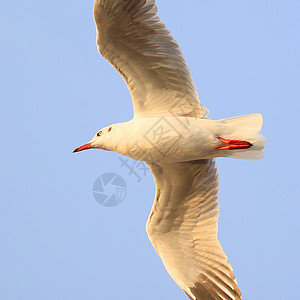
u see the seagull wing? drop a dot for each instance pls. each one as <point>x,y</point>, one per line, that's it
<point>137,43</point>
<point>183,226</point>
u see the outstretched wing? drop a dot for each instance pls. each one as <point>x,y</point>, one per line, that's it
<point>137,43</point>
<point>183,226</point>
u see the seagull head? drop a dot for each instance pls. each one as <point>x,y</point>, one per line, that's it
<point>100,140</point>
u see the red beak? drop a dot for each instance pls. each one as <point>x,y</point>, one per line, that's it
<point>84,147</point>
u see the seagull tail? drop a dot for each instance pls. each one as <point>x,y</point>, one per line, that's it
<point>245,128</point>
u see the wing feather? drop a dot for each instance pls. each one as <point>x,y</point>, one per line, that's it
<point>136,42</point>
<point>183,227</point>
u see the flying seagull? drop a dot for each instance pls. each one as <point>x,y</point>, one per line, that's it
<point>170,131</point>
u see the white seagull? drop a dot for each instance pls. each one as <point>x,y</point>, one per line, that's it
<point>172,133</point>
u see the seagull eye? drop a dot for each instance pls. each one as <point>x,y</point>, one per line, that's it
<point>99,133</point>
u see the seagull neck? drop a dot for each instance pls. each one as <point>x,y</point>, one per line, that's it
<point>118,139</point>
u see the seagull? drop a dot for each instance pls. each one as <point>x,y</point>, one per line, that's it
<point>173,134</point>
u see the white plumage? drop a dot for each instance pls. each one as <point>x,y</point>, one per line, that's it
<point>171,132</point>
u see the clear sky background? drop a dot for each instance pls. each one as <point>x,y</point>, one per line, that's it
<point>56,241</point>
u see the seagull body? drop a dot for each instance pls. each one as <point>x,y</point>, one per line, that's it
<point>180,139</point>
<point>172,133</point>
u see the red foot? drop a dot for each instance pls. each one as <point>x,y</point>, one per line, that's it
<point>233,144</point>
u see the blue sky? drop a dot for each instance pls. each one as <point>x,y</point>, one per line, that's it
<point>56,241</point>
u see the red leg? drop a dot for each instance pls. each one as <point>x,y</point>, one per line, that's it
<point>233,144</point>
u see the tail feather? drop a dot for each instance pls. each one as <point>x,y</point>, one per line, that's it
<point>245,128</point>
